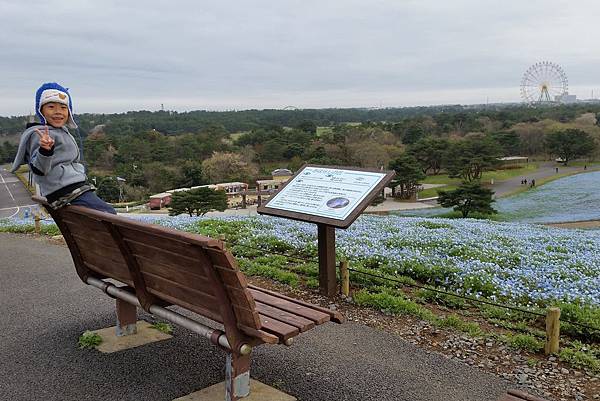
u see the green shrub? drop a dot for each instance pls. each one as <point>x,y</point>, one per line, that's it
<point>433,226</point>
<point>312,283</point>
<point>441,299</point>
<point>580,359</point>
<point>17,228</point>
<point>496,312</point>
<point>214,228</point>
<point>269,267</point>
<point>163,327</point>
<point>586,315</point>
<point>89,339</point>
<point>394,304</point>
<point>457,323</point>
<point>50,229</point>
<point>525,342</point>
<point>310,269</point>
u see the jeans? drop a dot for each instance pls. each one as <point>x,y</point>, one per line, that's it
<point>90,200</point>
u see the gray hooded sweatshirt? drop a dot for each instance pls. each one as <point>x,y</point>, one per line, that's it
<point>56,169</point>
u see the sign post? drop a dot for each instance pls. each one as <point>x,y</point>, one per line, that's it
<point>331,197</point>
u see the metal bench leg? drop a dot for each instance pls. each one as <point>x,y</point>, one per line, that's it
<point>237,376</point>
<point>126,318</point>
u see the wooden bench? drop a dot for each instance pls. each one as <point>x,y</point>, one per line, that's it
<point>160,267</point>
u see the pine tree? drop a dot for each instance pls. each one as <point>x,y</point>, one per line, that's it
<point>200,201</point>
<point>468,197</point>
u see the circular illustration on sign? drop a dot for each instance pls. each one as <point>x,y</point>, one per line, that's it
<point>337,203</point>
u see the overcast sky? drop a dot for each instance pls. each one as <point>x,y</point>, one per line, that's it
<point>119,55</point>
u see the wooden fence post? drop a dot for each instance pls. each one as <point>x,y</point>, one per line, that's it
<point>345,275</point>
<point>222,238</point>
<point>552,331</point>
<point>38,227</point>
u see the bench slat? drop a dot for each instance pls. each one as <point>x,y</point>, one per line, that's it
<point>102,237</point>
<point>221,259</point>
<point>294,320</point>
<point>104,272</point>
<point>280,329</point>
<point>174,300</point>
<point>158,285</point>
<point>185,263</point>
<point>260,334</point>
<point>194,280</point>
<point>97,255</point>
<point>335,315</point>
<point>182,262</point>
<point>194,294</point>
<point>231,276</point>
<point>162,242</point>
<point>235,284</point>
<point>100,250</point>
<point>143,228</point>
<point>308,313</point>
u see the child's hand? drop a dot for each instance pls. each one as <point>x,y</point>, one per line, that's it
<point>46,140</point>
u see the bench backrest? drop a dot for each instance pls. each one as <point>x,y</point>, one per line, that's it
<point>191,271</point>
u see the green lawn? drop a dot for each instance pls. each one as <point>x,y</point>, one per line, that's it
<point>580,163</point>
<point>501,175</point>
<point>440,179</point>
<point>431,192</point>
<point>497,175</point>
<point>324,130</point>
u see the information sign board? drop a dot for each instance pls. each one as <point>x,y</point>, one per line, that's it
<point>325,194</point>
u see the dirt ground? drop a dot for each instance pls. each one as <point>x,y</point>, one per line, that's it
<point>577,224</point>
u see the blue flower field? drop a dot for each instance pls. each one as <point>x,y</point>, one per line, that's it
<point>523,264</point>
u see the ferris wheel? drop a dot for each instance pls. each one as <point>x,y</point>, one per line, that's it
<point>544,82</point>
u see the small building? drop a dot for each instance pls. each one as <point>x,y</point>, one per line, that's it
<point>269,186</point>
<point>282,174</point>
<point>565,98</point>
<point>231,188</point>
<point>159,201</point>
<point>266,188</point>
<point>509,162</point>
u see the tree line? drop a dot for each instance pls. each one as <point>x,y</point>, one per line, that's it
<point>156,151</point>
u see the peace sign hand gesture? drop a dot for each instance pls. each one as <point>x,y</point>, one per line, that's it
<point>46,141</point>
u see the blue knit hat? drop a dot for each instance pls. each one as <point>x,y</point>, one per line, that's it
<point>51,92</point>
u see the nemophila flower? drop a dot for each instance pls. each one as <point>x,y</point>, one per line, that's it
<point>517,263</point>
<point>547,203</point>
<point>523,263</point>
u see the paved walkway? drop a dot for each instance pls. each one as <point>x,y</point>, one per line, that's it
<point>14,197</point>
<point>45,309</point>
<point>545,170</point>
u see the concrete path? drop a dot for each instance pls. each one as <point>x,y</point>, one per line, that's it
<point>14,197</point>
<point>45,309</point>
<point>545,170</point>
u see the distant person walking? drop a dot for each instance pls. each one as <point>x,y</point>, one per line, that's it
<point>557,170</point>
<point>532,183</point>
<point>53,155</point>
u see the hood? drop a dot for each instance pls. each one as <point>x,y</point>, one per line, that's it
<point>53,92</point>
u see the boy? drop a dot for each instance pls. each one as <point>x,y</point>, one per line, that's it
<point>53,155</point>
